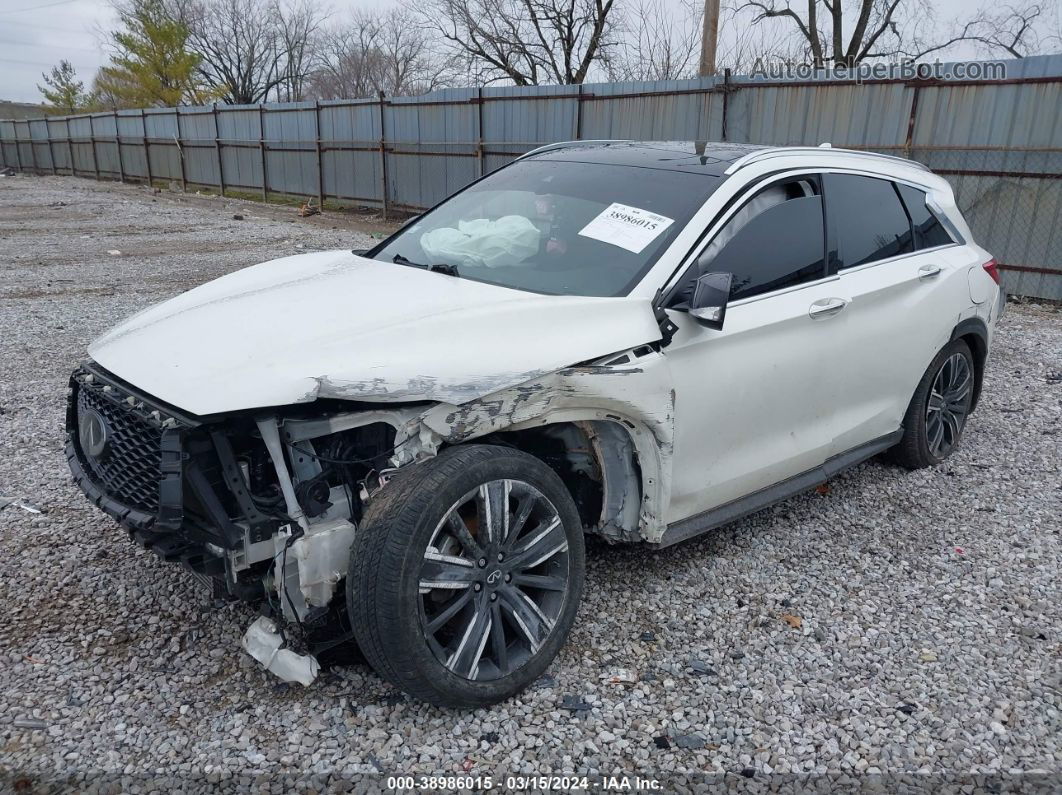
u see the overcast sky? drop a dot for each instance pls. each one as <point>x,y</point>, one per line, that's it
<point>36,34</point>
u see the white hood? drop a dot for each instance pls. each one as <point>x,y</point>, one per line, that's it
<point>333,324</point>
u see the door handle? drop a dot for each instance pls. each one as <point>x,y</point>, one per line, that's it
<point>827,307</point>
<point>928,272</point>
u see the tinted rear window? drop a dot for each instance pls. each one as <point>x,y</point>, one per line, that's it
<point>868,219</point>
<point>928,230</point>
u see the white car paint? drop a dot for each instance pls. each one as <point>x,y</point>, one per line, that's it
<point>333,324</point>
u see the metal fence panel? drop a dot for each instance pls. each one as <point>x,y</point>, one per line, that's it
<point>41,148</point>
<point>998,142</point>
<point>242,155</point>
<point>105,136</point>
<point>164,155</point>
<point>290,150</point>
<point>197,146</point>
<point>131,134</point>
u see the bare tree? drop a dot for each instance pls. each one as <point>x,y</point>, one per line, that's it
<point>251,50</point>
<point>1009,30</point>
<point>656,42</point>
<point>298,26</point>
<point>847,33</point>
<point>526,42</point>
<point>742,44</point>
<point>374,52</point>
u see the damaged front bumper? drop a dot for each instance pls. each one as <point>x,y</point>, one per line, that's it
<point>243,501</point>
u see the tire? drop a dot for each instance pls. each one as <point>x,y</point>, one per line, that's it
<point>415,607</point>
<point>933,425</point>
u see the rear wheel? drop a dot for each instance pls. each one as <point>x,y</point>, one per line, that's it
<point>936,417</point>
<point>466,575</point>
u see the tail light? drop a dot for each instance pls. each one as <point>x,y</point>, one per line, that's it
<point>992,269</point>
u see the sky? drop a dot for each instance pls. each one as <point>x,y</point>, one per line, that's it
<point>36,34</point>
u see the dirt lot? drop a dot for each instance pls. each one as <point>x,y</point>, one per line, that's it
<point>892,623</point>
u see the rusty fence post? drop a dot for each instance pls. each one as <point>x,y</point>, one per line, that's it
<point>262,151</point>
<point>18,154</point>
<point>217,149</point>
<point>118,146</point>
<point>317,144</point>
<point>178,140</point>
<point>383,159</point>
<point>908,143</point>
<point>479,131</point>
<point>147,149</point>
<point>51,149</point>
<point>579,113</point>
<point>726,103</point>
<point>92,138</point>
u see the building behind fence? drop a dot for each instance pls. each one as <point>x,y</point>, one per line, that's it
<point>999,142</point>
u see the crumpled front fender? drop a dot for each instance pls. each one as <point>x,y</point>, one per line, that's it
<point>635,392</point>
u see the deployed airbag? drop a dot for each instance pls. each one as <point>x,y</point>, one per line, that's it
<point>494,244</point>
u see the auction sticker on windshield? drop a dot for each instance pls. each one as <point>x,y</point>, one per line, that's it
<point>628,227</point>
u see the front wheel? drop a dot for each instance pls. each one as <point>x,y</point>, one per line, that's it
<point>466,575</point>
<point>937,414</point>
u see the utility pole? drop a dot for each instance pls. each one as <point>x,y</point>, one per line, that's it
<point>709,38</point>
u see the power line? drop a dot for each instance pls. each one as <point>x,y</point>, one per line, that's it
<point>34,8</point>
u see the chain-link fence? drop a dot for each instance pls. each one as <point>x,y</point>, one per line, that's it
<point>999,142</point>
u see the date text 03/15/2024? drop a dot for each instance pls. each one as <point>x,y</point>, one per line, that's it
<point>617,783</point>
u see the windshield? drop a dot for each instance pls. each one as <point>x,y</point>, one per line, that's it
<point>555,227</point>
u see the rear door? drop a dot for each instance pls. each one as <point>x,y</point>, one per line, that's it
<point>907,283</point>
<point>749,399</point>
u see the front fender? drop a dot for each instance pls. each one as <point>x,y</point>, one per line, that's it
<point>637,394</point>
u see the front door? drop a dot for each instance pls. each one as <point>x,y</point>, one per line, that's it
<point>750,399</point>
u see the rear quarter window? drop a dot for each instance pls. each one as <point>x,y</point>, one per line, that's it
<point>929,232</point>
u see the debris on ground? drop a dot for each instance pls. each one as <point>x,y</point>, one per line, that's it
<point>29,723</point>
<point>792,620</point>
<point>29,507</point>
<point>237,217</point>
<point>114,252</point>
<point>574,704</point>
<point>702,668</point>
<point>691,742</point>
<point>263,641</point>
<point>309,208</point>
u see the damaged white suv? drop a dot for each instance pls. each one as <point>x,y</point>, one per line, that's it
<point>400,450</point>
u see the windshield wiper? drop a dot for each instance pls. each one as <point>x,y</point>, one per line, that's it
<point>446,270</point>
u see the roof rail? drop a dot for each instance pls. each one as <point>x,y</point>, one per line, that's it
<point>782,151</point>
<point>562,144</point>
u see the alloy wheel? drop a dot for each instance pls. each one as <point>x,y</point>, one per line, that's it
<point>948,405</point>
<point>493,580</point>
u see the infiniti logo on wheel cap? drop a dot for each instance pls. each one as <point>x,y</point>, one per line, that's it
<point>92,433</point>
<point>493,577</point>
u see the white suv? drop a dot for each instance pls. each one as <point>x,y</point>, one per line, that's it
<point>400,450</point>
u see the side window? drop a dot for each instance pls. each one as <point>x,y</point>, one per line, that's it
<point>775,240</point>
<point>928,230</point>
<point>868,219</point>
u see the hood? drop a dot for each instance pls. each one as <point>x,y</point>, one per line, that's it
<point>336,325</point>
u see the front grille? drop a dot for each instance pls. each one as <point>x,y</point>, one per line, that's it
<point>130,468</point>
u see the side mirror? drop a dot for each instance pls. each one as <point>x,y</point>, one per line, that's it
<point>710,296</point>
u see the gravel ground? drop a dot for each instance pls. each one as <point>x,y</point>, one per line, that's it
<point>891,623</point>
